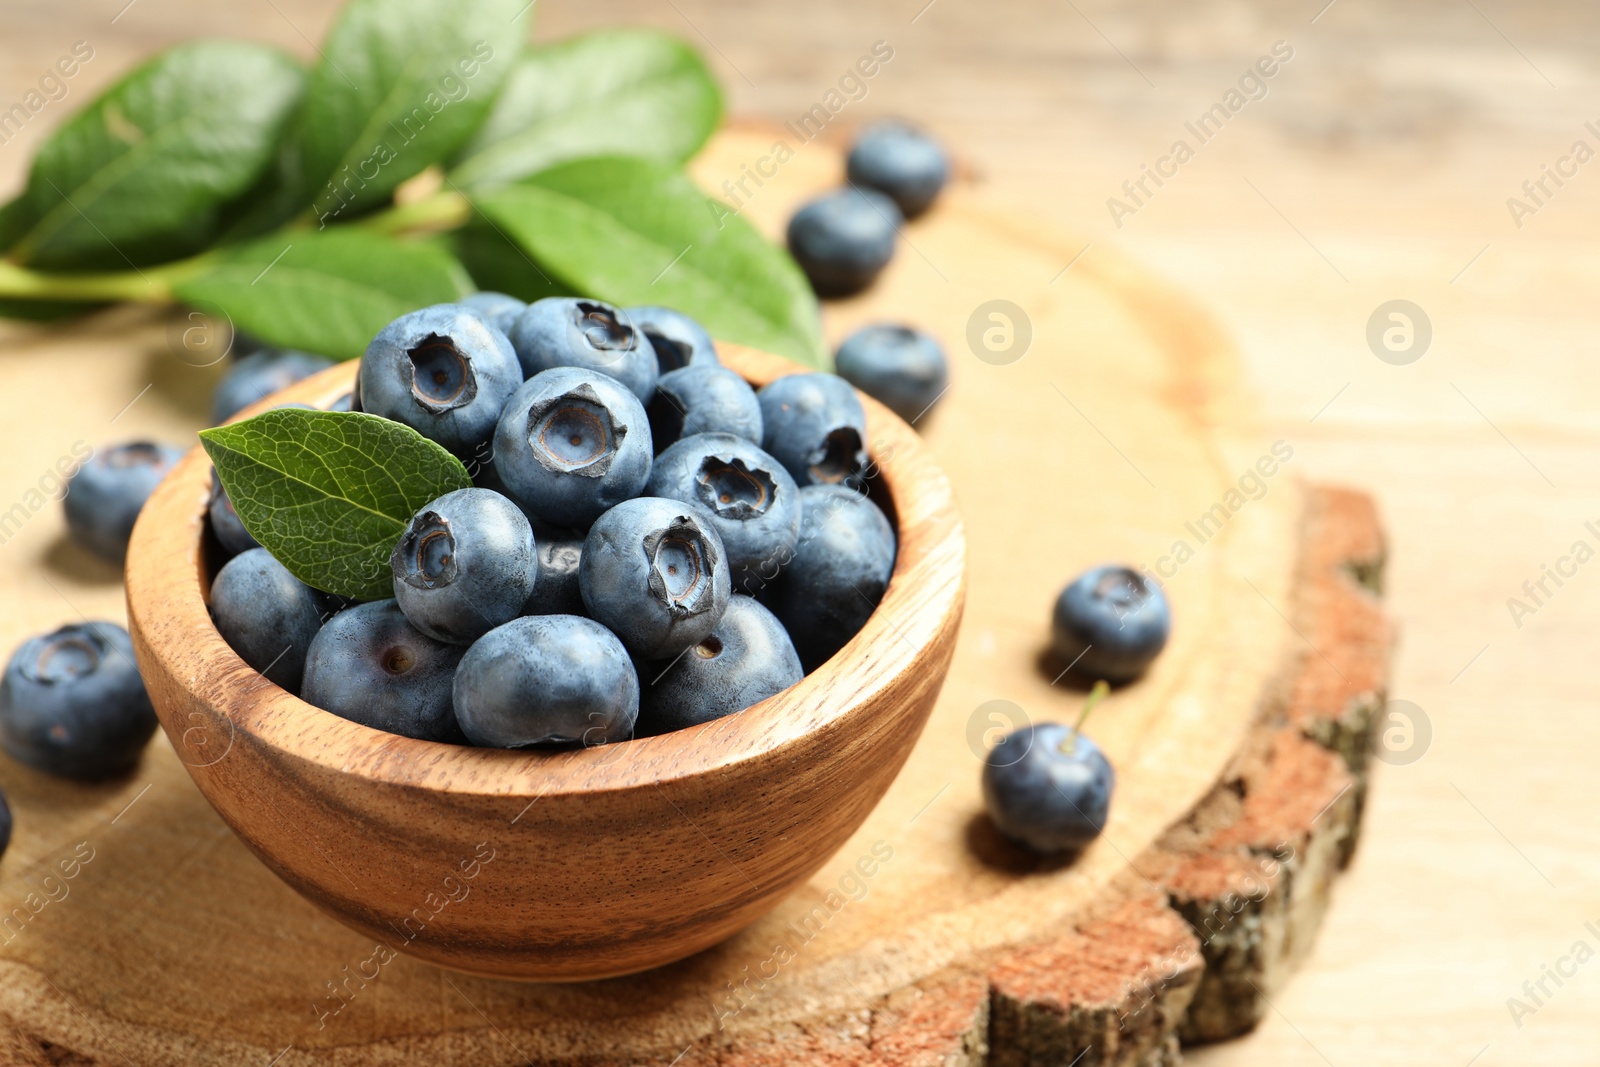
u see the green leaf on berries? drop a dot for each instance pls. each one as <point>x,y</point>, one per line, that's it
<point>628,92</point>
<point>402,85</point>
<point>635,232</point>
<point>327,292</point>
<point>328,493</point>
<point>142,174</point>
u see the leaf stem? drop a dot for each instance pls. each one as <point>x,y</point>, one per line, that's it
<point>153,285</point>
<point>443,210</point>
<point>1097,694</point>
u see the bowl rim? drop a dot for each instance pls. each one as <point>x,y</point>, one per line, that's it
<point>167,592</point>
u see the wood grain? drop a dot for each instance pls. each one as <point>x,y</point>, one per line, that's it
<point>1121,424</point>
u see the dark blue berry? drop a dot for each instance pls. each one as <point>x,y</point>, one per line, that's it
<point>903,369</point>
<point>815,426</point>
<point>746,659</point>
<point>444,372</point>
<point>838,572</point>
<point>900,161</point>
<point>703,399</point>
<point>1048,787</point>
<point>259,375</point>
<point>572,443</point>
<point>655,572</point>
<point>566,331</point>
<point>104,498</point>
<point>465,565</point>
<point>1110,622</point>
<point>844,240</point>
<point>678,340</point>
<point>225,523</point>
<point>368,664</point>
<point>752,501</point>
<point>267,615</point>
<point>72,703</point>
<point>497,309</point>
<point>547,680</point>
<point>555,587</point>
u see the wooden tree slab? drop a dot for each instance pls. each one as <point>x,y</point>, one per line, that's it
<point>1121,433</point>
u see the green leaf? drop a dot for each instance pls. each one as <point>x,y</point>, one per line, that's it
<point>402,85</point>
<point>615,92</point>
<point>634,232</point>
<point>330,492</point>
<point>496,263</point>
<point>141,175</point>
<point>328,292</point>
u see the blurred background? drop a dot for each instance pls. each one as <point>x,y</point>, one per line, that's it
<point>1376,166</point>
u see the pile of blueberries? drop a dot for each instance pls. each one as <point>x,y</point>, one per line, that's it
<point>649,543</point>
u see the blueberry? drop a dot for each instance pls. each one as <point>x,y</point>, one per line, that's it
<point>900,161</point>
<point>567,331</point>
<point>555,587</point>
<point>72,703</point>
<point>703,399</point>
<point>225,523</point>
<point>445,373</point>
<point>844,240</point>
<point>1110,622</point>
<point>547,680</point>
<point>371,666</point>
<point>902,368</point>
<point>258,376</point>
<point>570,444</point>
<point>678,340</point>
<point>465,565</point>
<point>752,501</point>
<point>654,571</point>
<point>746,659</point>
<point>104,498</point>
<point>1048,787</point>
<point>267,615</point>
<point>497,309</point>
<point>840,568</point>
<point>815,426</point>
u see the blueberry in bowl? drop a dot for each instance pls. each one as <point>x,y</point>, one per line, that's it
<point>608,858</point>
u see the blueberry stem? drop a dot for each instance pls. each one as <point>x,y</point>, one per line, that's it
<point>1097,694</point>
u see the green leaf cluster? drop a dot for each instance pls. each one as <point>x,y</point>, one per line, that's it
<point>426,153</point>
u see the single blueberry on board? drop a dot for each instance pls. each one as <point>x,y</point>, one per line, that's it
<point>900,161</point>
<point>815,426</point>
<point>752,501</point>
<point>903,369</point>
<point>844,240</point>
<point>72,703</point>
<point>655,572</point>
<point>465,565</point>
<point>570,444</point>
<point>259,375</point>
<point>1048,787</point>
<point>678,340</point>
<point>106,494</point>
<point>567,331</point>
<point>267,615</point>
<point>1110,622</point>
<point>838,573</point>
<point>747,658</point>
<point>368,664</point>
<point>444,372</point>
<point>498,309</point>
<point>547,680</point>
<point>704,398</point>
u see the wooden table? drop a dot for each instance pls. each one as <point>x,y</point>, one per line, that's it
<point>1377,167</point>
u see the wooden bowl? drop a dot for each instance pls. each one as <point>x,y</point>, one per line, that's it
<point>551,866</point>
